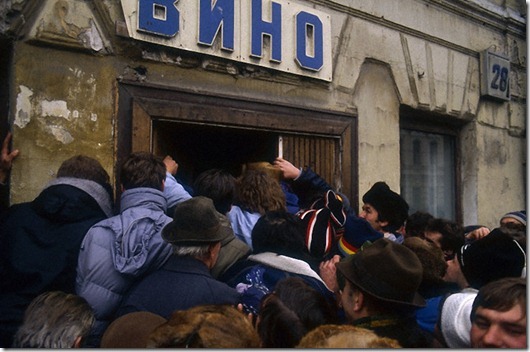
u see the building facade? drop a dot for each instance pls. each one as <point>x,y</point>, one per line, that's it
<point>428,96</point>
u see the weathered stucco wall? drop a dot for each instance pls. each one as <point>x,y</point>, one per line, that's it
<point>386,53</point>
<point>63,108</point>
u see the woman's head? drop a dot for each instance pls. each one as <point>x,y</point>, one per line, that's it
<point>258,192</point>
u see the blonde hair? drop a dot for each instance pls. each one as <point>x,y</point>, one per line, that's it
<point>265,167</point>
<point>345,336</point>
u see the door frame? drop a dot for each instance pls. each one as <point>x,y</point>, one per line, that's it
<point>139,104</point>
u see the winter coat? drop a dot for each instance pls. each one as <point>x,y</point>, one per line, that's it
<point>259,274</point>
<point>40,243</point>
<point>308,186</point>
<point>117,251</point>
<point>243,222</point>
<point>174,193</point>
<point>183,282</point>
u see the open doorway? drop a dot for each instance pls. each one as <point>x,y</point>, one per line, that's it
<point>202,131</point>
<point>197,148</point>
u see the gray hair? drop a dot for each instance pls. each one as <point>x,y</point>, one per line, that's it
<point>54,319</point>
<point>194,251</point>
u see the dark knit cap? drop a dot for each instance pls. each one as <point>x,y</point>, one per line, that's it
<point>390,205</point>
<point>492,257</point>
<point>517,215</point>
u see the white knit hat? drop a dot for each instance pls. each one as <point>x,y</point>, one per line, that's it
<point>456,318</point>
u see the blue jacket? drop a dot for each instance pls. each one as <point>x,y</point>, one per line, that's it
<point>308,186</point>
<point>184,282</point>
<point>117,251</point>
<point>40,242</point>
<point>174,193</point>
<point>242,223</point>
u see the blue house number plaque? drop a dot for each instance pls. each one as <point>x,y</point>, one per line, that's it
<point>495,75</point>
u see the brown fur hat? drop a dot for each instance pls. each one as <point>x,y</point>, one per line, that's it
<point>345,336</point>
<point>131,330</point>
<point>431,258</point>
<point>207,326</point>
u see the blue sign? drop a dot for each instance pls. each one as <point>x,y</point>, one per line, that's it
<point>158,17</point>
<point>495,75</point>
<point>220,17</point>
<point>273,29</point>
<point>278,34</point>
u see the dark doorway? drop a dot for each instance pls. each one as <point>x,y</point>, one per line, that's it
<point>198,147</point>
<point>203,131</point>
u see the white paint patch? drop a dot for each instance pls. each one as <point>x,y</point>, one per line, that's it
<point>55,108</point>
<point>93,117</point>
<point>90,38</point>
<point>77,72</point>
<point>60,134</point>
<point>23,114</point>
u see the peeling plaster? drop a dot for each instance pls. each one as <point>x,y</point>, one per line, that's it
<point>55,108</point>
<point>60,134</point>
<point>23,116</point>
<point>79,84</point>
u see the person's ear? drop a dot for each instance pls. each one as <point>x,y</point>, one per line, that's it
<point>358,301</point>
<point>213,253</point>
<point>383,224</point>
<point>77,342</point>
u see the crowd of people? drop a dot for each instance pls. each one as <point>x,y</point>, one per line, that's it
<point>273,257</point>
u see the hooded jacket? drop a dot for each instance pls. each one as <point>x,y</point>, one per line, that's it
<point>40,242</point>
<point>117,251</point>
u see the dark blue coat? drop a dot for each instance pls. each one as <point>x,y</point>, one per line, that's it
<point>183,282</point>
<point>39,245</point>
<point>255,279</point>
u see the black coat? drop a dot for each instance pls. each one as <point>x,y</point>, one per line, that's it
<point>39,246</point>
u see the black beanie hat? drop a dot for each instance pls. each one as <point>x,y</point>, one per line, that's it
<point>390,205</point>
<point>493,257</point>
